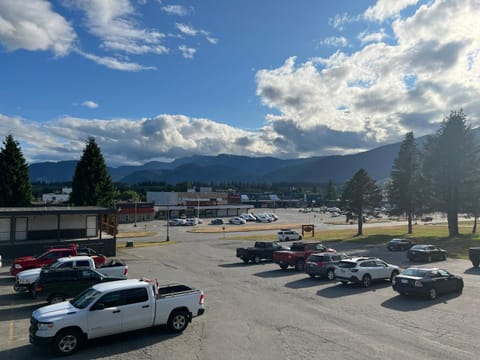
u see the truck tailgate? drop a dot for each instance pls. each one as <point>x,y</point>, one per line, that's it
<point>166,303</point>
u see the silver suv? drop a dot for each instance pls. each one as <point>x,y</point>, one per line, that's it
<point>288,235</point>
<point>364,270</point>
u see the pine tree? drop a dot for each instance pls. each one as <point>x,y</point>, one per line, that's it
<point>15,187</point>
<point>405,188</point>
<point>331,192</point>
<point>450,164</point>
<point>359,193</point>
<point>91,183</point>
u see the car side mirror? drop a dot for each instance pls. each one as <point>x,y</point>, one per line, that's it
<point>98,306</point>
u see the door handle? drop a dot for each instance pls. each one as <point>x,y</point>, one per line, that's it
<point>145,306</point>
<point>115,311</point>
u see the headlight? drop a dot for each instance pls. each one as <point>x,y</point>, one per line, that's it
<point>17,266</point>
<point>23,281</point>
<point>45,326</point>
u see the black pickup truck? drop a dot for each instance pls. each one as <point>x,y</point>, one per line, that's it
<point>261,250</point>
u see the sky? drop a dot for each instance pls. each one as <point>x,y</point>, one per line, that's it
<point>157,80</point>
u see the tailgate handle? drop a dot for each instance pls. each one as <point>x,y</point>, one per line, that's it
<point>115,311</point>
<point>145,306</point>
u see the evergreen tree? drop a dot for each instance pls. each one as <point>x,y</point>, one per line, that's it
<point>405,188</point>
<point>15,187</point>
<point>359,193</point>
<point>331,194</point>
<point>450,165</point>
<point>91,184</point>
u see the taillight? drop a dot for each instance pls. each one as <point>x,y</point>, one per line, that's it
<point>125,272</point>
<point>202,299</point>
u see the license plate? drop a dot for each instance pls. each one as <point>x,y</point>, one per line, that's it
<point>404,281</point>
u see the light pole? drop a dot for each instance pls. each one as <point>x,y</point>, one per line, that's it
<point>135,225</point>
<point>168,222</point>
<point>198,207</point>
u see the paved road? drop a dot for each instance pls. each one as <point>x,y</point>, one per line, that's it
<point>262,312</point>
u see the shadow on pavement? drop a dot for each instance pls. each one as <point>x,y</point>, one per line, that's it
<point>304,283</point>
<point>340,290</point>
<point>415,303</point>
<point>277,273</point>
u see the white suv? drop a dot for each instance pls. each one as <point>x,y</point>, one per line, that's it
<point>288,235</point>
<point>365,270</point>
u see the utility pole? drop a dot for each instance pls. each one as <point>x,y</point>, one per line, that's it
<point>168,221</point>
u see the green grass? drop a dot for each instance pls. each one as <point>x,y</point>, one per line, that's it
<point>422,234</point>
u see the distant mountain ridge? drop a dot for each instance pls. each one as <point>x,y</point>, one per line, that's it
<point>233,168</point>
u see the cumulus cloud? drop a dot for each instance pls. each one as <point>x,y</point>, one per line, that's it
<point>179,10</point>
<point>187,52</point>
<point>375,95</point>
<point>33,25</point>
<point>90,104</point>
<point>384,9</point>
<point>335,41</point>
<point>367,37</point>
<point>134,141</point>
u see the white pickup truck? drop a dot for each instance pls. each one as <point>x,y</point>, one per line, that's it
<point>25,279</point>
<point>112,308</point>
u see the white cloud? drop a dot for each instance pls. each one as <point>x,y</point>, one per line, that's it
<point>367,37</point>
<point>186,29</point>
<point>179,10</point>
<point>115,64</point>
<point>335,41</point>
<point>385,9</point>
<point>33,25</point>
<point>187,52</point>
<point>375,95</point>
<point>90,104</point>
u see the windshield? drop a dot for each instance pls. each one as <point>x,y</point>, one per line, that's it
<point>41,255</point>
<point>85,298</point>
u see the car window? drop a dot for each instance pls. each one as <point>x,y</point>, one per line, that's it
<point>346,264</point>
<point>112,299</point>
<point>443,273</point>
<point>133,296</point>
<point>51,255</point>
<point>380,264</point>
<point>67,264</point>
<point>83,263</point>
<point>319,247</point>
<point>368,264</point>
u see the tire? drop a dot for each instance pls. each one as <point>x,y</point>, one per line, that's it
<point>459,288</point>
<point>287,239</point>
<point>312,276</point>
<point>366,281</point>
<point>300,265</point>
<point>283,266</point>
<point>245,260</point>
<point>330,274</point>
<point>432,294</point>
<point>394,273</point>
<point>299,238</point>
<point>66,342</point>
<point>475,263</point>
<point>55,298</point>
<point>178,321</point>
<point>256,260</point>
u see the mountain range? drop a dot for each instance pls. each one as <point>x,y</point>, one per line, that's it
<point>232,168</point>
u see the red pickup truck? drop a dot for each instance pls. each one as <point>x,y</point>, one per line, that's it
<point>52,255</point>
<point>298,253</point>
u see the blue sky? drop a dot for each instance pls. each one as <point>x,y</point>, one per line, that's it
<point>159,80</point>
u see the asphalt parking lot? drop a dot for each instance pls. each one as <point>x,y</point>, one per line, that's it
<point>258,311</point>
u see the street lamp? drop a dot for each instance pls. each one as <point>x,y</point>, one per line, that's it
<point>135,225</point>
<point>168,222</point>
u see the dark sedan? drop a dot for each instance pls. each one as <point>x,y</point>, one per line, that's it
<point>427,282</point>
<point>216,222</point>
<point>426,253</point>
<point>399,244</point>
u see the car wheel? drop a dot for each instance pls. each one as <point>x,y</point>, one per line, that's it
<point>67,342</point>
<point>475,263</point>
<point>429,258</point>
<point>366,281</point>
<point>178,321</point>
<point>245,260</point>
<point>432,294</point>
<point>299,238</point>
<point>330,274</point>
<point>33,293</point>
<point>444,256</point>
<point>459,288</point>
<point>55,298</point>
<point>287,239</point>
<point>256,260</point>
<point>300,265</point>
<point>312,276</point>
<point>394,273</point>
<point>283,266</point>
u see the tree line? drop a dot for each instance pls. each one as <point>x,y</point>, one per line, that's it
<point>442,176</point>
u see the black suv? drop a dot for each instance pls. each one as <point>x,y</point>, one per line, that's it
<point>323,264</point>
<point>56,285</point>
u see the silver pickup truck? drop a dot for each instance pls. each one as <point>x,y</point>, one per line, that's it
<point>25,279</point>
<point>112,308</point>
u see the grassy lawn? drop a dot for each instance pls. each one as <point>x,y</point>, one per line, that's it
<point>422,234</point>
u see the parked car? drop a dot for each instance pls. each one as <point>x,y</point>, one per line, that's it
<point>52,255</point>
<point>216,222</point>
<point>25,279</point>
<point>56,285</point>
<point>288,234</point>
<point>113,308</point>
<point>323,264</point>
<point>260,251</point>
<point>365,270</point>
<point>248,217</point>
<point>177,222</point>
<point>399,244</point>
<point>427,282</point>
<point>273,216</point>
<point>298,253</point>
<point>237,220</point>
<point>426,253</point>
<point>263,218</point>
